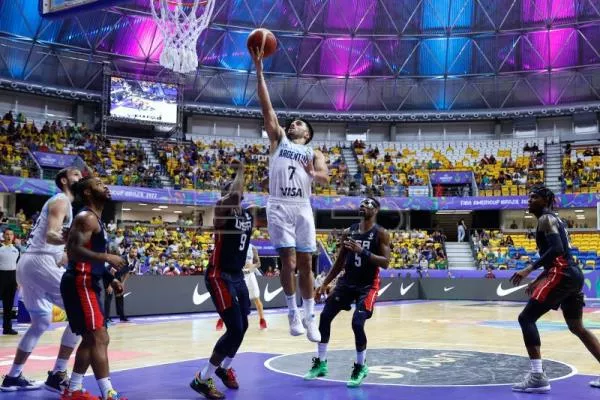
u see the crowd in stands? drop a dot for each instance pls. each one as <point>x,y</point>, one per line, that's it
<point>409,249</point>
<point>117,162</point>
<point>580,169</point>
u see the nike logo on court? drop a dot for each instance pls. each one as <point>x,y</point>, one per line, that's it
<point>505,292</point>
<point>383,289</point>
<point>404,290</point>
<point>198,298</point>
<point>271,295</point>
<point>447,289</point>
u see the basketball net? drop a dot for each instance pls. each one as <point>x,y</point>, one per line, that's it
<point>181,23</point>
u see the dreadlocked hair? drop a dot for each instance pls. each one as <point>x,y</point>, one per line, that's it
<point>545,193</point>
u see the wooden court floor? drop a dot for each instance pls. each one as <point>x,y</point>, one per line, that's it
<point>450,329</point>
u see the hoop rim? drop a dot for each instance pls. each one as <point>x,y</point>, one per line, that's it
<point>186,3</point>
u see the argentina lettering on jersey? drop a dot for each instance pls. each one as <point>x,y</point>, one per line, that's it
<point>288,179</point>
<point>231,244</point>
<point>358,269</point>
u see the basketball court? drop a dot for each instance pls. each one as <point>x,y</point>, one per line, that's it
<point>417,349</point>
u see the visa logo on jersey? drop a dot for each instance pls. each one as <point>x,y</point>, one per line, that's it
<point>291,192</point>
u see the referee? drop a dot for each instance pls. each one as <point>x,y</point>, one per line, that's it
<point>9,255</point>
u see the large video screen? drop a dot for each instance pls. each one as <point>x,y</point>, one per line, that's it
<point>146,101</point>
<point>50,6</point>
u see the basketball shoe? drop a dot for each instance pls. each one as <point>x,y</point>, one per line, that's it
<point>296,328</point>
<point>206,388</point>
<point>262,323</point>
<point>595,383</point>
<point>12,384</point>
<point>359,373</point>
<point>228,377</point>
<point>114,395</point>
<point>78,395</point>
<point>57,381</point>
<point>534,382</point>
<point>318,369</point>
<point>312,329</point>
<point>219,326</point>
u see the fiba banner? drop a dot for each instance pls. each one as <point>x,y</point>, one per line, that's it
<point>13,184</point>
<point>56,160</point>
<point>450,177</point>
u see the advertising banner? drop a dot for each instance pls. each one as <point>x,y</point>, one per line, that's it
<point>450,177</point>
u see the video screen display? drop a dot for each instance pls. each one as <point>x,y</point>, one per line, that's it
<point>142,100</point>
<point>50,6</point>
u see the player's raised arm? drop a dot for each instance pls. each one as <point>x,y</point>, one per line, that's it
<point>319,172</point>
<point>274,131</point>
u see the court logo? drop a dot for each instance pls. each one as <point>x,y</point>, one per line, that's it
<point>500,291</point>
<point>271,295</point>
<point>447,289</point>
<point>404,290</point>
<point>198,298</point>
<point>423,367</point>
<point>383,289</point>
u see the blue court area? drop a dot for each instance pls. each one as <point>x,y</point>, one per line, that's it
<point>259,379</point>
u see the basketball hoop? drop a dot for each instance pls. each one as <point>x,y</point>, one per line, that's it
<point>181,22</point>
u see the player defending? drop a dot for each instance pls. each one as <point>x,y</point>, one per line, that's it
<point>80,288</point>
<point>366,249</point>
<point>292,167</point>
<point>39,272</point>
<point>250,270</point>
<point>225,282</point>
<point>560,284</point>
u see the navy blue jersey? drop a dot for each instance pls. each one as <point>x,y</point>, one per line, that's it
<point>564,260</point>
<point>231,243</point>
<point>98,243</point>
<point>358,269</point>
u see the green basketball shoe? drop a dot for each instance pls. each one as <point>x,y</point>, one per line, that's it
<point>359,373</point>
<point>319,368</point>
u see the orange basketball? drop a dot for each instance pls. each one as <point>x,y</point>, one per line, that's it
<point>260,37</point>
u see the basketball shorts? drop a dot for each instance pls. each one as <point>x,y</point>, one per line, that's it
<point>292,225</point>
<point>561,287</point>
<point>227,291</point>
<point>39,277</point>
<point>81,294</point>
<point>252,285</point>
<point>344,295</point>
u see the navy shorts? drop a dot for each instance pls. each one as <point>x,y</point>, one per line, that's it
<point>227,290</point>
<point>81,296</point>
<point>344,295</point>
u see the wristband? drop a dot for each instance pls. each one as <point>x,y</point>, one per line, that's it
<point>365,253</point>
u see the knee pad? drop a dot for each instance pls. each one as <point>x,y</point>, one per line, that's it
<point>39,324</point>
<point>69,339</point>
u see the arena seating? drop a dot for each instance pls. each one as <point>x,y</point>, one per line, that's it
<point>501,167</point>
<point>499,254</point>
<point>581,169</point>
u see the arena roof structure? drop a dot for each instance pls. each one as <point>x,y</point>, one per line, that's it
<point>381,56</point>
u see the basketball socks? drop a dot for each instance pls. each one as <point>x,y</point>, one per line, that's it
<point>322,353</point>
<point>536,366</point>
<point>226,362</point>
<point>15,370</point>
<point>208,371</point>
<point>360,357</point>
<point>105,386</point>
<point>60,365</point>
<point>309,308</point>
<point>291,304</point>
<point>76,382</point>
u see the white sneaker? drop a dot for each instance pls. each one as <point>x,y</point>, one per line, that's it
<point>312,330</point>
<point>595,383</point>
<point>296,328</point>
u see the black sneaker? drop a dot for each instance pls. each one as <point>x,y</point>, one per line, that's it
<point>206,388</point>
<point>12,384</point>
<point>9,332</point>
<point>57,381</point>
<point>228,377</point>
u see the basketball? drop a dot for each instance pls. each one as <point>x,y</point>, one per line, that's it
<point>256,38</point>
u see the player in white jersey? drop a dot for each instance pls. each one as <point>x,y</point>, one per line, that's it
<point>39,272</point>
<point>250,272</point>
<point>292,168</point>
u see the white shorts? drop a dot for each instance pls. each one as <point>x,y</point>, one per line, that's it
<point>292,225</point>
<point>253,291</point>
<point>39,277</point>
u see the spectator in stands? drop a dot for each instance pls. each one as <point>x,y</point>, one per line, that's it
<point>514,225</point>
<point>462,229</point>
<point>490,273</point>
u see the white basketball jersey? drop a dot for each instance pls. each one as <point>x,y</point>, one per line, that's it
<point>37,238</point>
<point>288,179</point>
